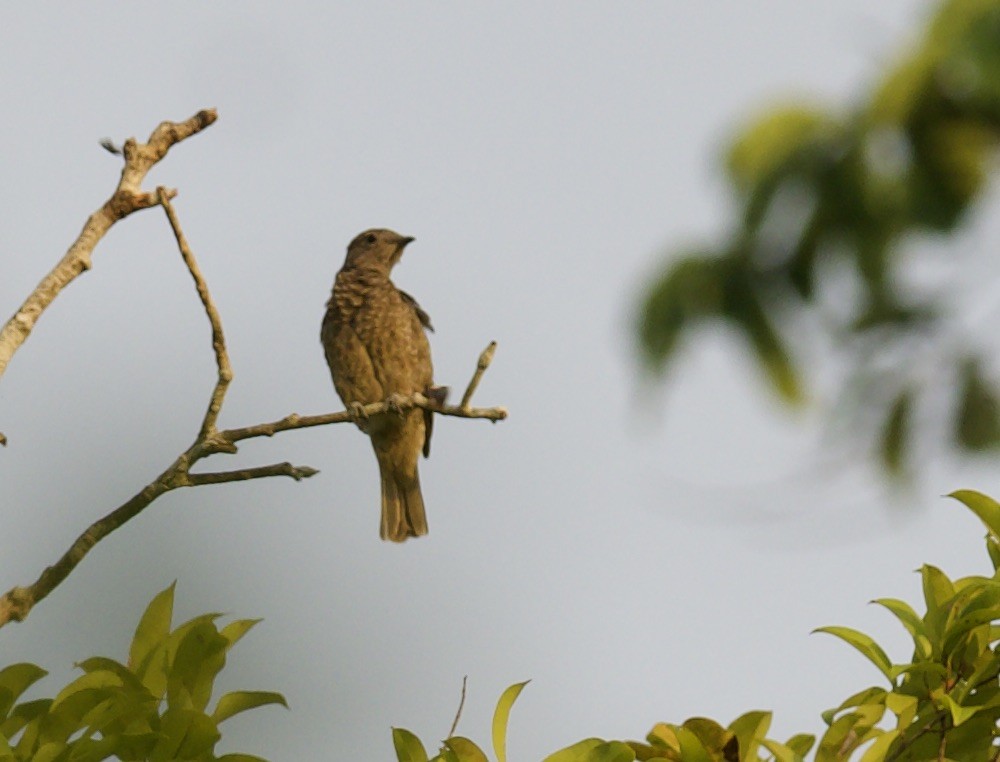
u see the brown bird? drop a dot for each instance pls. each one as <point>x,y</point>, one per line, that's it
<point>373,336</point>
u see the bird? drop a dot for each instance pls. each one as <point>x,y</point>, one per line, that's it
<point>374,337</point>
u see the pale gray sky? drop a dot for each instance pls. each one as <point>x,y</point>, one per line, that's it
<point>640,557</point>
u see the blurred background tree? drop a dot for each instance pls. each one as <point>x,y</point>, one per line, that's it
<point>828,207</point>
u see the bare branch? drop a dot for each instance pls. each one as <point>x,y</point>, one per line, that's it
<point>296,421</point>
<point>257,472</point>
<point>17,602</point>
<point>127,198</point>
<point>484,362</point>
<point>225,370</point>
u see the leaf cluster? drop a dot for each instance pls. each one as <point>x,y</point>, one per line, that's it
<point>154,707</point>
<point>825,205</point>
<point>943,703</point>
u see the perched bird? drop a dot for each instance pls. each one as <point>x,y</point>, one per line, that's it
<point>374,340</point>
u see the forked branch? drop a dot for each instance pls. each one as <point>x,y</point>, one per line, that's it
<point>17,602</point>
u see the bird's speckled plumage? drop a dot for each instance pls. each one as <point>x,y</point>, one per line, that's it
<point>374,338</point>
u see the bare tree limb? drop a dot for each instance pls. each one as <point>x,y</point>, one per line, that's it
<point>258,472</point>
<point>17,602</point>
<point>128,197</point>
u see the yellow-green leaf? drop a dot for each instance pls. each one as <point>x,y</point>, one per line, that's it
<point>408,746</point>
<point>240,701</point>
<point>500,717</point>
<point>575,753</point>
<point>877,751</point>
<point>465,750</point>
<point>985,507</point>
<point>865,644</point>
<point>153,628</point>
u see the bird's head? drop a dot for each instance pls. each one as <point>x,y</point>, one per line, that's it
<point>378,248</point>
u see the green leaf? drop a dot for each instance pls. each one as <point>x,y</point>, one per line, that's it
<point>236,630</point>
<point>801,743</point>
<point>240,758</point>
<point>877,751</point>
<point>866,645</point>
<point>48,752</point>
<point>904,707</point>
<point>912,622</point>
<point>465,750</point>
<point>767,145</point>
<point>985,507</point>
<point>500,717</point>
<point>751,729</point>
<point>896,433</point>
<point>610,751</point>
<point>938,594</point>
<point>690,290</point>
<point>781,752</point>
<point>120,671</point>
<point>200,738</point>
<point>199,658</point>
<point>240,701</point>
<point>15,680</point>
<point>745,308</point>
<point>692,748</point>
<point>575,753</point>
<point>978,422</point>
<point>873,695</point>
<point>153,628</point>
<point>959,713</point>
<point>408,746</point>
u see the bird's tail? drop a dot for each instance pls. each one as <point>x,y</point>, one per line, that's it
<point>402,504</point>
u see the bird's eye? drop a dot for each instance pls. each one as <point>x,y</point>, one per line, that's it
<point>370,238</point>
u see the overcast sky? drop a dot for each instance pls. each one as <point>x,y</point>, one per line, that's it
<point>642,555</point>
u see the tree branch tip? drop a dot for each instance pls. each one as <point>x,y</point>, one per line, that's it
<point>164,194</point>
<point>304,472</point>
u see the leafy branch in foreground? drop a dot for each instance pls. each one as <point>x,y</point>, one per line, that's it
<point>941,704</point>
<point>155,707</point>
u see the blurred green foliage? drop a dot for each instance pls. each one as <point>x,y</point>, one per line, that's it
<point>819,194</point>
<point>942,703</point>
<point>153,708</point>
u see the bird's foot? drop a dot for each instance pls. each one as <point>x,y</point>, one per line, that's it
<point>395,402</point>
<point>357,411</point>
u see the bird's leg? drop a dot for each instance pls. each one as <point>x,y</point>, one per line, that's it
<point>357,411</point>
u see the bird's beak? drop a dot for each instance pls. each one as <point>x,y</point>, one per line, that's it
<point>403,240</point>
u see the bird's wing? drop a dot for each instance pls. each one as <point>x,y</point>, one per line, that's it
<point>350,364</point>
<point>422,316</point>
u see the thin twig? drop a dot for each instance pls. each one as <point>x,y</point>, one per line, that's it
<point>484,362</point>
<point>257,472</point>
<point>225,370</point>
<point>461,703</point>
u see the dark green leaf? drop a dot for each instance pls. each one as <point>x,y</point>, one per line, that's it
<point>896,433</point>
